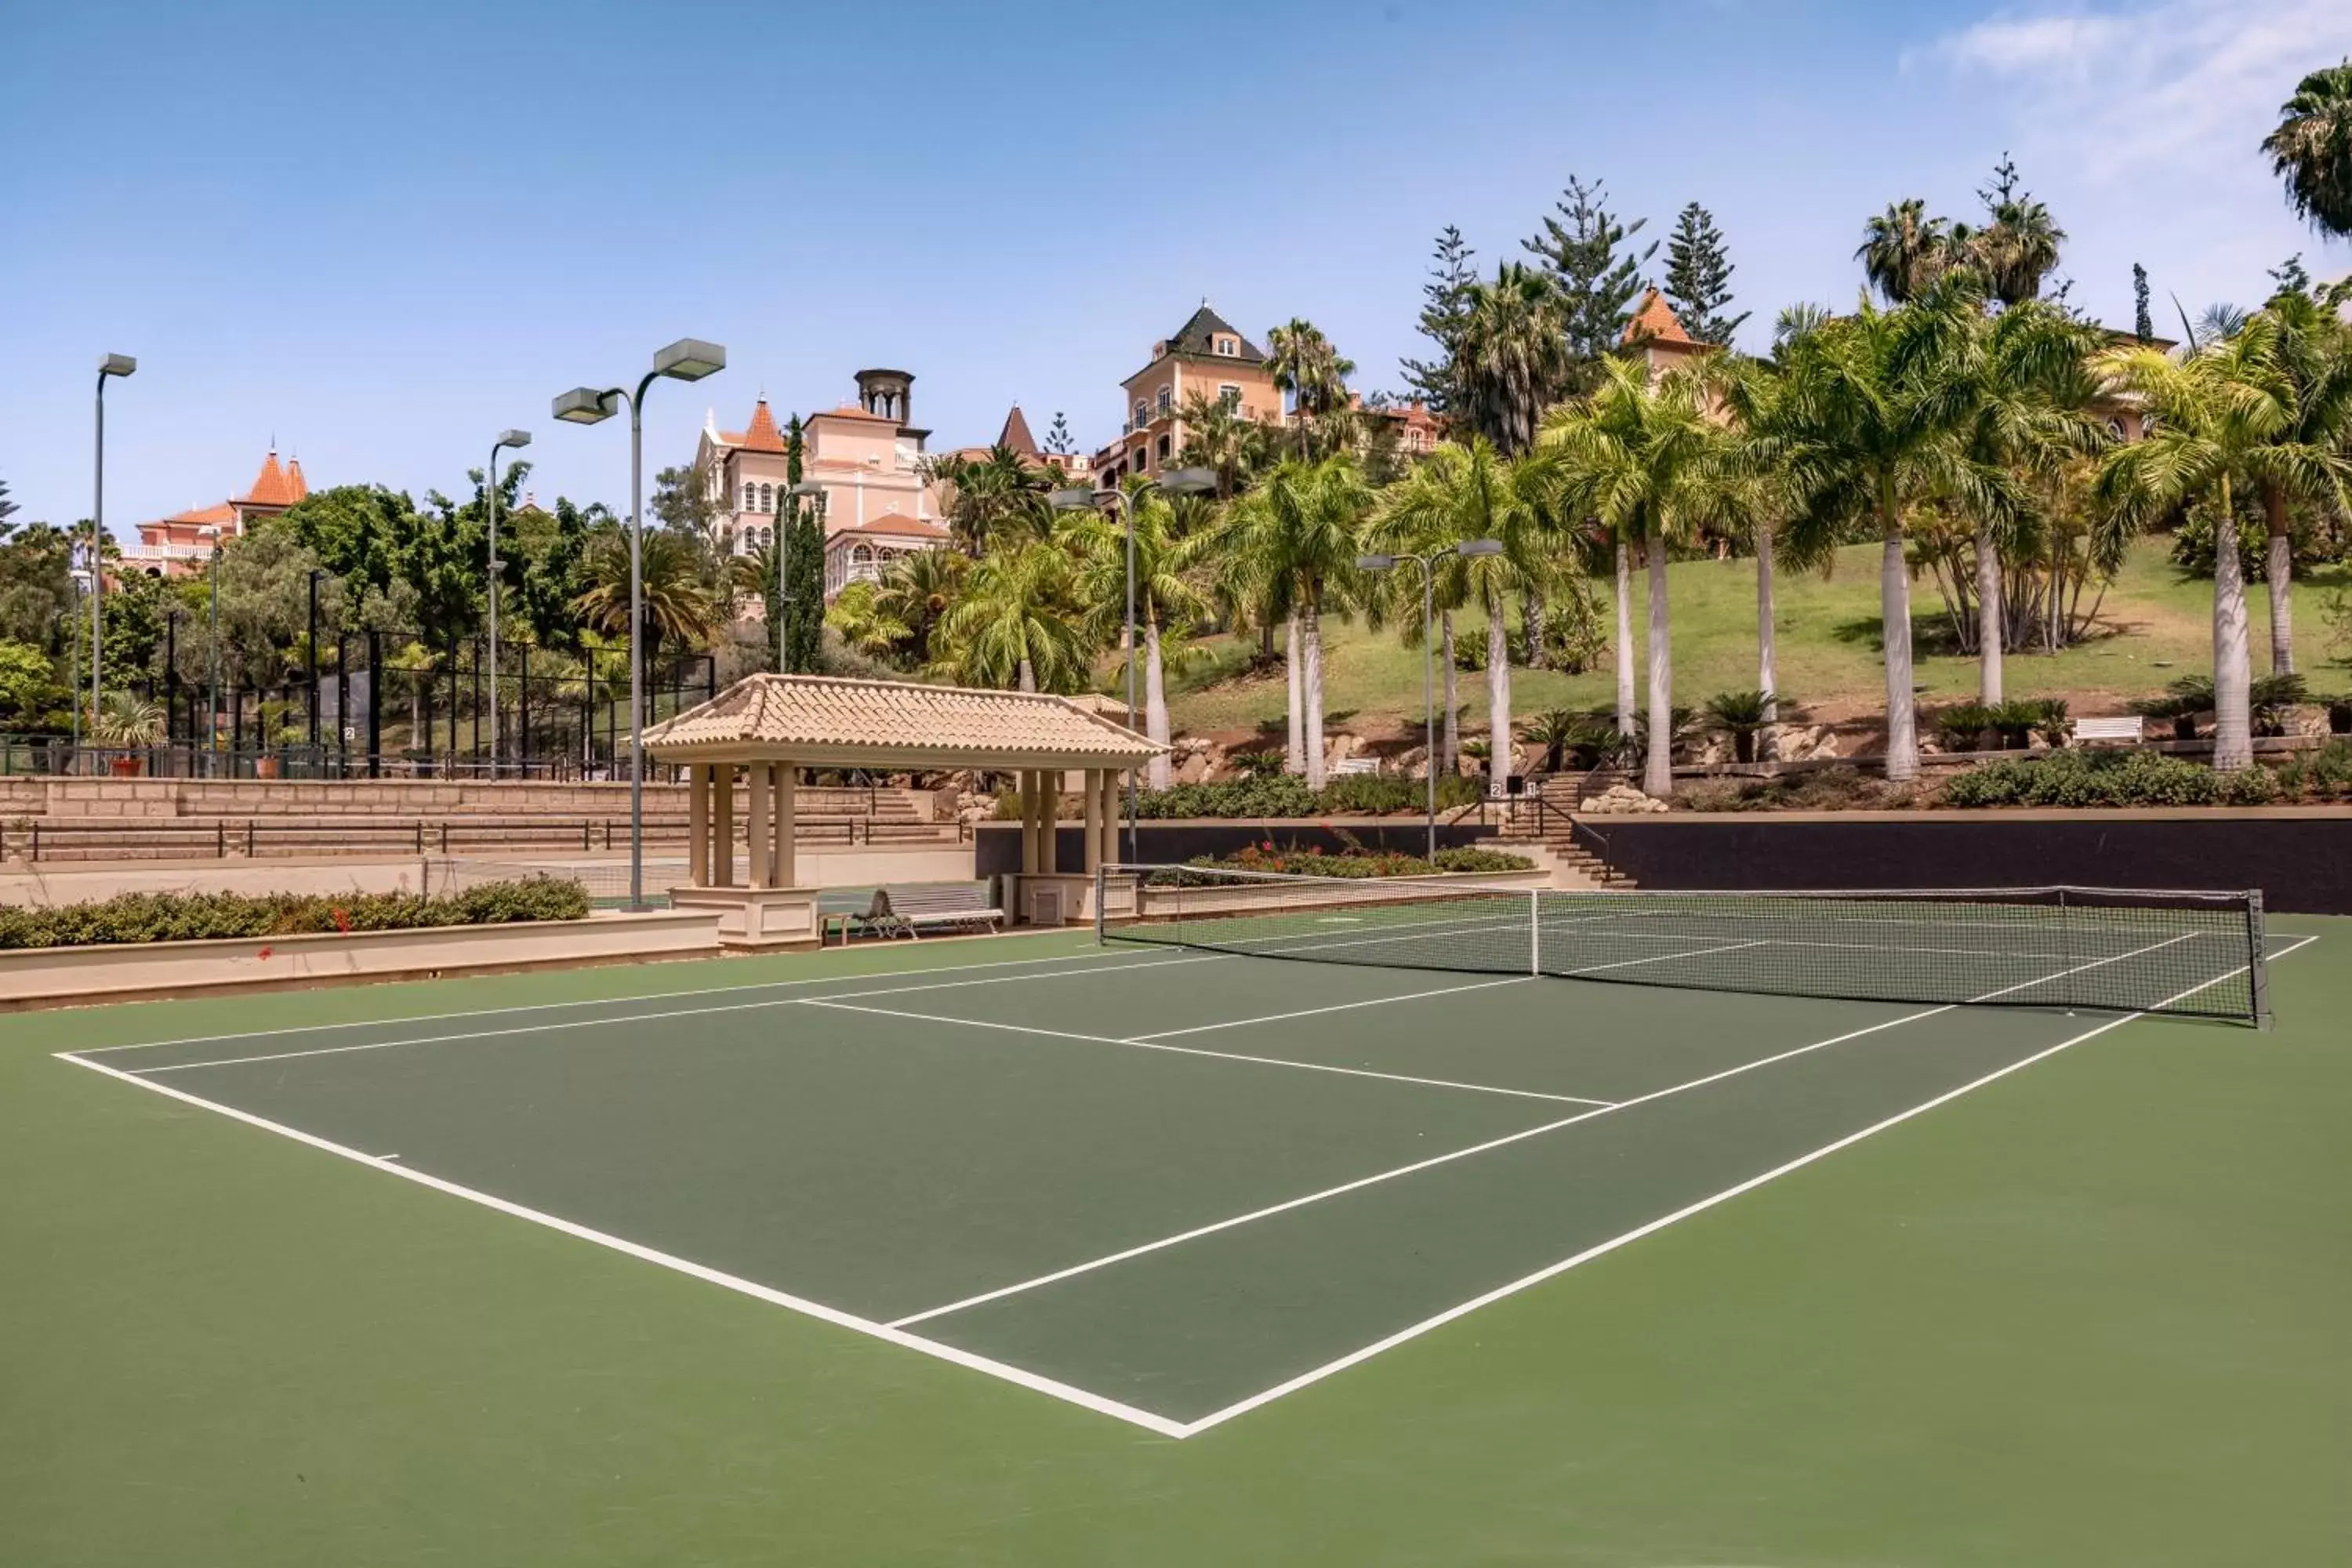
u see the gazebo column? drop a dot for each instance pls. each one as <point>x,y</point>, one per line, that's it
<point>756,827</point>
<point>722,825</point>
<point>1049,820</point>
<point>1029,822</point>
<point>1108,783</point>
<point>1094,856</point>
<point>782,869</point>
<point>698,825</point>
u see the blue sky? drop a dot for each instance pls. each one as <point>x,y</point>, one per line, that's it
<point>384,233</point>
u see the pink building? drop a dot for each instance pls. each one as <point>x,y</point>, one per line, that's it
<point>867,459</point>
<point>180,545</point>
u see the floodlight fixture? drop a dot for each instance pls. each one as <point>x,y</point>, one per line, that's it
<point>690,359</point>
<point>513,438</point>
<point>1080,498</point>
<point>1189,481</point>
<point>117,365</point>
<point>1474,547</point>
<point>1376,563</point>
<point>587,405</point>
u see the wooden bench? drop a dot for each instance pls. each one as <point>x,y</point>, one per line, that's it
<point>911,908</point>
<point>1357,766</point>
<point>2125,730</point>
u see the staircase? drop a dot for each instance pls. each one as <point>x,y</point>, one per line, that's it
<point>1541,820</point>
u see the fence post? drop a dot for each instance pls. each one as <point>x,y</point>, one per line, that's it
<point>375,705</point>
<point>522,700</point>
<point>455,694</point>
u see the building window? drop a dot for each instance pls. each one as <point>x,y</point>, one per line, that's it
<point>1167,399</point>
<point>750,497</point>
<point>1163,448</point>
<point>1229,348</point>
<point>1229,395</point>
<point>767,499</point>
<point>1142,414</point>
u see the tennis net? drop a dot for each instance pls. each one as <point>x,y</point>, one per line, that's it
<point>2121,949</point>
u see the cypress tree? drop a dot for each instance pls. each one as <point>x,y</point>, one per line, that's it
<point>2143,324</point>
<point>803,570</point>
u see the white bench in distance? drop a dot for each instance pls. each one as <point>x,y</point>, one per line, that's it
<point>911,908</point>
<point>2124,730</point>
<point>1357,766</point>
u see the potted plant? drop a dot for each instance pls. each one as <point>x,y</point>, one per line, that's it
<point>130,724</point>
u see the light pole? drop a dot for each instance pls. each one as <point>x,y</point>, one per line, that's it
<point>1470,548</point>
<point>807,490</point>
<point>688,359</point>
<point>508,441</point>
<point>111,365</point>
<point>74,580</point>
<point>1175,481</point>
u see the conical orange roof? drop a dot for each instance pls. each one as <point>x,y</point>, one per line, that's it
<point>271,487</point>
<point>763,436</point>
<point>1017,435</point>
<point>1655,322</point>
<point>294,480</point>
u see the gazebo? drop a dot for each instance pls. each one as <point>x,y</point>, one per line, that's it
<point>767,728</point>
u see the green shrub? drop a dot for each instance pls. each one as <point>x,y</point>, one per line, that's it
<point>1962,726</point>
<point>196,917</point>
<point>1353,860</point>
<point>2087,779</point>
<point>2326,771</point>
<point>1287,794</point>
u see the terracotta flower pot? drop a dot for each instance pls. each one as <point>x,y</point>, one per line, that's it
<point>126,767</point>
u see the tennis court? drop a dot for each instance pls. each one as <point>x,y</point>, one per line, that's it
<point>1171,1182</point>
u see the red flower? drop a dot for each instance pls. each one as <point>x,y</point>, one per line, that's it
<point>343,918</point>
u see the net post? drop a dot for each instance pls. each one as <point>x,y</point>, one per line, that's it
<point>2258,969</point>
<point>1535,930</point>
<point>1102,887</point>
<point>2067,950</point>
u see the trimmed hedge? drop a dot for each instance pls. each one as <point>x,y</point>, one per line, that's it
<point>197,917</point>
<point>1300,862</point>
<point>2108,778</point>
<point>1287,794</point>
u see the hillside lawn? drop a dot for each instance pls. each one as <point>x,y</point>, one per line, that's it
<point>2154,627</point>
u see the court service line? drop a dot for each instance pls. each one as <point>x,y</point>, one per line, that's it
<point>1151,1045</point>
<point>605,1000</point>
<point>1035,1382</point>
<point>1334,1008</point>
<point>1550,1271</point>
<point>622,1019</point>
<point>1091,1265</point>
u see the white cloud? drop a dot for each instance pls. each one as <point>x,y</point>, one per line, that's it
<point>2179,88</point>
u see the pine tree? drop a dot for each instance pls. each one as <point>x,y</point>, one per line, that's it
<point>1444,308</point>
<point>803,571</point>
<point>1057,436</point>
<point>2290,276</point>
<point>8,509</point>
<point>1590,259</point>
<point>2143,323</point>
<point>1698,276</point>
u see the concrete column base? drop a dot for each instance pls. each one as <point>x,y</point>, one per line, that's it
<point>756,920</point>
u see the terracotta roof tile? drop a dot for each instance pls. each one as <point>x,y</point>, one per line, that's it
<point>1654,322</point>
<point>1015,434</point>
<point>205,515</point>
<point>832,717</point>
<point>897,525</point>
<point>763,436</point>
<point>271,487</point>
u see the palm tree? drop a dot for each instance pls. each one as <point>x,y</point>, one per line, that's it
<point>2018,249</point>
<point>2316,351</point>
<point>2224,420</point>
<point>1305,365</point>
<point>679,607</point>
<point>1217,436</point>
<point>1903,250</point>
<point>858,618</point>
<point>2311,149</point>
<point>1167,601</point>
<point>1292,541</point>
<point>918,590</point>
<point>999,493</point>
<point>1015,622</point>
<point>1644,460</point>
<point>1512,357</point>
<point>1465,492</point>
<point>1866,423</point>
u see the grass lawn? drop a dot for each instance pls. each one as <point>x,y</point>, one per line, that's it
<point>2156,621</point>
<point>2088,1313</point>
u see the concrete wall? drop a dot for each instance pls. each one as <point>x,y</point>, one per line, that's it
<point>996,848</point>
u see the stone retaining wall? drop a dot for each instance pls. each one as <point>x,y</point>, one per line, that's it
<point>402,798</point>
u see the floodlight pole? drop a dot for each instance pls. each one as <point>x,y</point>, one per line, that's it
<point>111,366</point>
<point>509,438</point>
<point>1427,562</point>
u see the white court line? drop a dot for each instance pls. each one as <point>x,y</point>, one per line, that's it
<point>1401,1336</point>
<point>1035,1382</point>
<point>635,1018</point>
<point>1334,1008</point>
<point>1665,957</point>
<point>1145,1044</point>
<point>1091,1265</point>
<point>606,1001</point>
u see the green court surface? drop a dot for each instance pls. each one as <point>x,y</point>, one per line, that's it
<point>1037,1251</point>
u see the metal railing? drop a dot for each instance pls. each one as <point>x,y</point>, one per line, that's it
<point>34,839</point>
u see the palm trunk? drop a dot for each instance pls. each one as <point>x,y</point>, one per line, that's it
<point>1028,674</point>
<point>1155,703</point>
<point>1988,600</point>
<point>1531,619</point>
<point>1767,745</point>
<point>2279,567</point>
<point>1294,752</point>
<point>1450,737</point>
<point>1625,639</point>
<point>1498,699</point>
<point>2233,742</point>
<point>1895,612</point>
<point>1310,635</point>
<point>1658,767</point>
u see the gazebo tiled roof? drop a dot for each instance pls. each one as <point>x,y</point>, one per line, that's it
<point>819,721</point>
